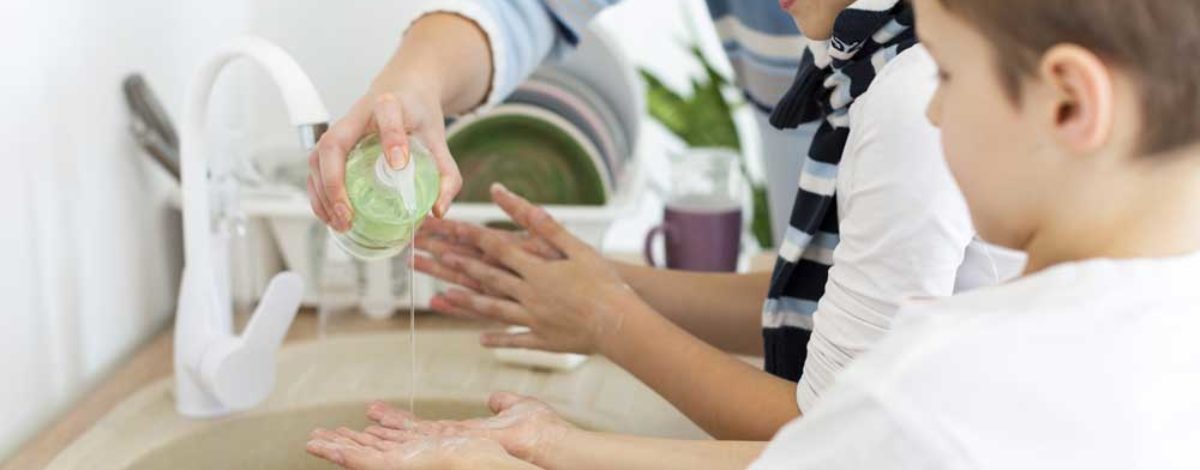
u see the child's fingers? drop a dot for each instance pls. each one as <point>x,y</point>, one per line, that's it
<point>502,401</point>
<point>444,272</point>
<point>440,304</point>
<point>537,221</point>
<point>363,439</point>
<point>325,450</point>
<point>362,458</point>
<point>439,246</point>
<point>388,434</point>
<point>491,277</point>
<point>387,415</point>
<point>491,308</point>
<point>509,254</point>
<point>504,339</point>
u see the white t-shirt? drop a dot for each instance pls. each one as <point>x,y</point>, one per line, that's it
<point>1090,365</point>
<point>904,226</point>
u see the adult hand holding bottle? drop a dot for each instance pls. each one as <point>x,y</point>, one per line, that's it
<point>443,67</point>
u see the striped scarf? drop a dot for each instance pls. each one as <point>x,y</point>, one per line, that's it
<point>866,36</point>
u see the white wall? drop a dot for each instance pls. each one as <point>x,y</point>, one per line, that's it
<point>89,251</point>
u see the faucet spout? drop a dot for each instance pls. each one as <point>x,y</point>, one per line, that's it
<point>216,372</point>
<point>310,134</point>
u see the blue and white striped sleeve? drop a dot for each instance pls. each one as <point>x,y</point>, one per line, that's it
<point>521,33</point>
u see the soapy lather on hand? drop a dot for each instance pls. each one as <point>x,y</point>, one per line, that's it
<point>521,428</point>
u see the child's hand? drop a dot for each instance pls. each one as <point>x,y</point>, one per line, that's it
<point>525,427</point>
<point>573,304</point>
<point>439,237</point>
<point>362,451</point>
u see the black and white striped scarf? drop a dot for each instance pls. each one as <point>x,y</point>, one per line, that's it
<point>866,36</point>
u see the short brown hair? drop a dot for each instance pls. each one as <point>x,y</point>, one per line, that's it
<point>1156,41</point>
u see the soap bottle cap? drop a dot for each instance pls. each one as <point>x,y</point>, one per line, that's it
<point>403,180</point>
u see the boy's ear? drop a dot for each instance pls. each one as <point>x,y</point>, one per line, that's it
<point>1082,97</point>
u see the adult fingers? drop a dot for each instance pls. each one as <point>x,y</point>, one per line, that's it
<point>434,137</point>
<point>318,206</point>
<point>393,136</point>
<point>330,162</point>
<point>316,190</point>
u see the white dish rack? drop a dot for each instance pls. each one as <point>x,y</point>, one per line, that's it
<point>294,230</point>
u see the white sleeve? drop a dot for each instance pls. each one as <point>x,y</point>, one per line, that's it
<point>904,226</point>
<point>870,419</point>
<point>852,432</point>
<point>521,33</point>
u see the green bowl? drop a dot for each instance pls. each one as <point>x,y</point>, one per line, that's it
<point>531,153</point>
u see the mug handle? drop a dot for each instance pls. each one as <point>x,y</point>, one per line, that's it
<point>648,245</point>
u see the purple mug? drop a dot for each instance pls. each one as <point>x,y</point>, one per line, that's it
<point>698,237</point>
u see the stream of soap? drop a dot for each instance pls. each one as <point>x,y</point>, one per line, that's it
<point>412,319</point>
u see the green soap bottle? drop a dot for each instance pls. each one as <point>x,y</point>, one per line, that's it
<point>388,204</point>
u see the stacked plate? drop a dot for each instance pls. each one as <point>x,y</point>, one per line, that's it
<point>556,140</point>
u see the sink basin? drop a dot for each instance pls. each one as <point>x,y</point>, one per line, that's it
<point>275,440</point>
<point>327,383</point>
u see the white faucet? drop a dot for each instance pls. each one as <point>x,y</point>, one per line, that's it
<point>216,372</point>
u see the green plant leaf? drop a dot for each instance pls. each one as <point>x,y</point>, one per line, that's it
<point>760,223</point>
<point>710,121</point>
<point>664,105</point>
<point>709,70</point>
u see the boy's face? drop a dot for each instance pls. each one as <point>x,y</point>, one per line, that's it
<point>991,145</point>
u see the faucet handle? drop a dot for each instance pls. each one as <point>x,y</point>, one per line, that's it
<point>275,311</point>
<point>240,372</point>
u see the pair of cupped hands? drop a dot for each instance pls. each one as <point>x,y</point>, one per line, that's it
<point>522,430</point>
<point>543,278</point>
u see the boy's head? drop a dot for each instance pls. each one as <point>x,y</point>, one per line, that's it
<point>1043,103</point>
